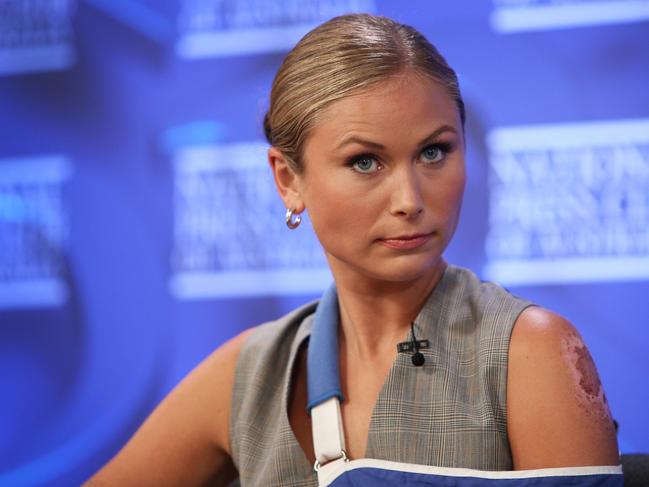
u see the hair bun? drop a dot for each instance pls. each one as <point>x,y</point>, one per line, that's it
<point>267,130</point>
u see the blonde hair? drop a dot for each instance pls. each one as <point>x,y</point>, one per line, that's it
<point>345,56</point>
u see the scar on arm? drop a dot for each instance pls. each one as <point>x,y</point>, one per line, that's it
<point>589,391</point>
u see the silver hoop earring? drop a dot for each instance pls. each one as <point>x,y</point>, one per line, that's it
<point>290,223</point>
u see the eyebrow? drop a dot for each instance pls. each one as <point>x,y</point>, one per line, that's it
<point>375,145</point>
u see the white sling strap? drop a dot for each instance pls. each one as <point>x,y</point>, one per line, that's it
<point>323,385</point>
<point>328,434</point>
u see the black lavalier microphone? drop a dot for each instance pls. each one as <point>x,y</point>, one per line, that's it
<point>413,346</point>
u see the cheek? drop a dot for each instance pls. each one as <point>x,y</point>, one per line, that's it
<point>456,190</point>
<point>324,202</point>
<point>339,212</point>
<point>447,195</point>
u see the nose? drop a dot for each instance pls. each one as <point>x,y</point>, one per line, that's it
<point>407,201</point>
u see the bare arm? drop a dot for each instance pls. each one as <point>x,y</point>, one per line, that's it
<point>557,413</point>
<point>185,441</point>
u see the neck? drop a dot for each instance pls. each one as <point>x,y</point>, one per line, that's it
<point>375,315</point>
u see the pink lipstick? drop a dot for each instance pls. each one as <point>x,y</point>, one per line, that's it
<point>406,242</point>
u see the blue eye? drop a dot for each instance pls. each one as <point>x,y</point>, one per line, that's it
<point>364,164</point>
<point>433,153</point>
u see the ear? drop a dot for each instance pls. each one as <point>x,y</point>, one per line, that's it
<point>286,180</point>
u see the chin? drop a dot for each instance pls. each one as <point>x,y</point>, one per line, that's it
<point>408,273</point>
<point>377,266</point>
<point>401,270</point>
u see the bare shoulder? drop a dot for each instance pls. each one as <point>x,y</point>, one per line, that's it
<point>557,412</point>
<point>212,381</point>
<point>185,440</point>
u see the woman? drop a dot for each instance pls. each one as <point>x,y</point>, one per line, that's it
<point>409,360</point>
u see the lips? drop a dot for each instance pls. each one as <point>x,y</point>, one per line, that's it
<point>407,241</point>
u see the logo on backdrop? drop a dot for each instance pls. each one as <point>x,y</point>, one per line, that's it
<point>33,231</point>
<point>213,28</point>
<point>230,238</point>
<point>569,202</point>
<point>525,15</point>
<point>36,35</point>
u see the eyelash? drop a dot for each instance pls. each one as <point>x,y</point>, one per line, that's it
<point>443,147</point>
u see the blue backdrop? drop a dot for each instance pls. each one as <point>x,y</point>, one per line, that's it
<point>139,228</point>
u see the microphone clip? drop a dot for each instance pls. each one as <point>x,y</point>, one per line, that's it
<point>413,346</point>
<point>405,347</point>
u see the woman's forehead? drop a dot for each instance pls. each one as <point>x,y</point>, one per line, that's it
<point>408,103</point>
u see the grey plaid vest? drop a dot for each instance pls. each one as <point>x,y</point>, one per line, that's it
<point>450,412</point>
